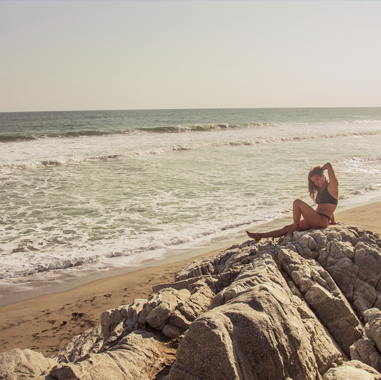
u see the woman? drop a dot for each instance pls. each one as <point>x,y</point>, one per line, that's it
<point>326,199</point>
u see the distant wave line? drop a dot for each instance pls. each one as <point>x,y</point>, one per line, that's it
<point>4,138</point>
<point>58,161</point>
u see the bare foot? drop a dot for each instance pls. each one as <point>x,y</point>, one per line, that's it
<point>291,231</point>
<point>253,235</point>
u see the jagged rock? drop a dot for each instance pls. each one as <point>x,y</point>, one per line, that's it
<point>225,260</point>
<point>323,297</point>
<point>161,305</point>
<point>257,334</point>
<point>197,303</point>
<point>132,311</point>
<point>183,284</point>
<point>24,364</point>
<point>192,269</point>
<point>89,341</point>
<point>250,276</point>
<point>131,314</point>
<point>213,282</point>
<point>354,265</point>
<point>264,320</point>
<point>324,348</point>
<point>352,370</point>
<point>111,318</point>
<point>179,320</point>
<point>365,351</point>
<point>307,241</point>
<point>116,335</point>
<point>159,316</point>
<point>172,311</point>
<point>373,326</point>
<point>139,355</point>
<point>172,331</point>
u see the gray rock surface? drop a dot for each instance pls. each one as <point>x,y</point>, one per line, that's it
<point>373,325</point>
<point>24,364</point>
<point>352,370</point>
<point>353,259</point>
<point>364,350</point>
<point>89,341</point>
<point>137,356</point>
<point>111,318</point>
<point>323,296</point>
<point>258,333</point>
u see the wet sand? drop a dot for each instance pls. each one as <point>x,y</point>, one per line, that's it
<point>46,323</point>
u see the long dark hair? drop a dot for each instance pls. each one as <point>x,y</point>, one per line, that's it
<point>312,188</point>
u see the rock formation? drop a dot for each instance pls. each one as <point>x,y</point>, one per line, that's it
<point>305,308</point>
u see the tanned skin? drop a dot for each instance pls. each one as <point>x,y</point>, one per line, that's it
<point>311,217</point>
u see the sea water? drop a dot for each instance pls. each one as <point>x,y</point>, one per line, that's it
<point>98,190</point>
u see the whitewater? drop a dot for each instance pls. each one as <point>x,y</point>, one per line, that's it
<point>94,191</point>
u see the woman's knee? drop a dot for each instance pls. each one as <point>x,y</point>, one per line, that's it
<point>297,202</point>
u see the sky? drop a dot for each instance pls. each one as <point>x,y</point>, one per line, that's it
<point>106,55</point>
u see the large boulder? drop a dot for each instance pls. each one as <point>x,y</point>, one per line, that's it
<point>373,326</point>
<point>323,297</point>
<point>353,259</point>
<point>24,364</point>
<point>352,370</point>
<point>172,311</point>
<point>258,333</point>
<point>365,351</point>
<point>111,318</point>
<point>160,306</point>
<point>229,261</point>
<point>89,341</point>
<point>139,355</point>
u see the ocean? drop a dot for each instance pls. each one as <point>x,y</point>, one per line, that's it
<point>92,191</point>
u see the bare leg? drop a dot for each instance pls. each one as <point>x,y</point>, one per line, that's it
<point>311,220</point>
<point>311,217</point>
<point>274,233</point>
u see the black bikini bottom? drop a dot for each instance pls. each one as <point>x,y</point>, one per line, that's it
<point>329,219</point>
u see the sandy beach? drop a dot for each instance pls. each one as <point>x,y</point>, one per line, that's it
<point>48,322</point>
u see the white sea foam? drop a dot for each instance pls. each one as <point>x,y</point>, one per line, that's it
<point>61,151</point>
<point>117,200</point>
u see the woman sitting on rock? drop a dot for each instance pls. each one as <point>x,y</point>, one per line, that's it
<point>326,199</point>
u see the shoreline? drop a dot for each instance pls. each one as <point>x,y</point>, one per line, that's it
<point>21,289</point>
<point>67,279</point>
<point>47,322</point>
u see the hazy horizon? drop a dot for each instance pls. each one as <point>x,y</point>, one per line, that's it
<point>132,55</point>
<point>176,109</point>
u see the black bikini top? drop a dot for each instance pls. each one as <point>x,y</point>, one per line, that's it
<point>326,197</point>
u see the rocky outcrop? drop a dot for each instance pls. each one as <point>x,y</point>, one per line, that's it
<point>88,342</point>
<point>323,297</point>
<point>364,350</point>
<point>353,260</point>
<point>306,261</point>
<point>352,370</point>
<point>137,356</point>
<point>257,333</point>
<point>294,310</point>
<point>24,364</point>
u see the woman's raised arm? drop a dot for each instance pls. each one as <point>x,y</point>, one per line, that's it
<point>331,174</point>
